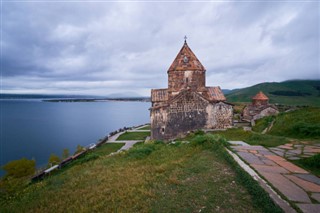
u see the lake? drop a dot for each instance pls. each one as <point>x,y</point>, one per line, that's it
<point>34,129</point>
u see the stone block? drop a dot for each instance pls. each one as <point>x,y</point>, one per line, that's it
<point>306,185</point>
<point>309,208</point>
<point>286,187</point>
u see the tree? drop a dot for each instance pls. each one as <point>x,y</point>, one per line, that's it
<point>53,160</point>
<point>65,153</point>
<point>20,168</point>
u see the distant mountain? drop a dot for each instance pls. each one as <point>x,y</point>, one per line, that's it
<point>294,92</point>
<point>227,91</point>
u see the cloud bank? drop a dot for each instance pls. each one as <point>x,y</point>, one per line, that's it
<point>100,48</point>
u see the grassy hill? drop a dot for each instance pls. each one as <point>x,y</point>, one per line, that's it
<point>295,92</point>
<point>301,124</point>
<point>155,177</point>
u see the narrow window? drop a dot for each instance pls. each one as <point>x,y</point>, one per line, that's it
<point>187,80</point>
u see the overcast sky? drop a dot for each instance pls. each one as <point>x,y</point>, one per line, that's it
<point>100,48</point>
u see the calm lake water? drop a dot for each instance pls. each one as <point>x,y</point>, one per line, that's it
<point>34,129</point>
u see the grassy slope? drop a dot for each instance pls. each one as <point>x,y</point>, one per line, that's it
<point>301,124</point>
<point>169,178</point>
<point>245,95</point>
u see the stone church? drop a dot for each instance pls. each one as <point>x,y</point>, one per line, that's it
<point>187,104</point>
<point>259,108</point>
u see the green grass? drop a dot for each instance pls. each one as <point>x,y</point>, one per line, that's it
<point>301,124</point>
<point>133,136</point>
<point>107,148</point>
<point>187,178</point>
<point>312,164</point>
<point>238,134</point>
<point>148,127</point>
<point>263,123</point>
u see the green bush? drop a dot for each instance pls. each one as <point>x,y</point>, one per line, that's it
<point>53,160</point>
<point>20,168</point>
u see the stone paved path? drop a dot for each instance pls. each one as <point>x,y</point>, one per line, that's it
<point>296,151</point>
<point>127,143</point>
<point>296,184</point>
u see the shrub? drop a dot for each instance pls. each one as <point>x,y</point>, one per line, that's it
<point>20,168</point>
<point>53,160</point>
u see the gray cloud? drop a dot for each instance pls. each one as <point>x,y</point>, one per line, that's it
<point>107,47</point>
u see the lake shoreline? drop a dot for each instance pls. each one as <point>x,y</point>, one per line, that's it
<point>99,100</point>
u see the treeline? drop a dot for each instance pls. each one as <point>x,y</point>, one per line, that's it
<point>290,93</point>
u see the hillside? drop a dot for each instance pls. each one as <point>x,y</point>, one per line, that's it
<point>295,92</point>
<point>300,124</point>
<point>155,177</point>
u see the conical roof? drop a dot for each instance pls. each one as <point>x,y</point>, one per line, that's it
<point>260,96</point>
<point>186,60</point>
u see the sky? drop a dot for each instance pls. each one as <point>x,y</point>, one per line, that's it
<point>123,47</point>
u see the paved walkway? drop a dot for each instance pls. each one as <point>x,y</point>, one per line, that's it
<point>127,143</point>
<point>296,184</point>
<point>296,151</point>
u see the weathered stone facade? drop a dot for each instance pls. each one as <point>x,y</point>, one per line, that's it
<point>187,104</point>
<point>259,108</point>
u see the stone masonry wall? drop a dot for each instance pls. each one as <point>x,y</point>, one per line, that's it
<point>187,113</point>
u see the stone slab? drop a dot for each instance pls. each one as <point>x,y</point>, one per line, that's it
<point>263,152</point>
<point>270,169</point>
<point>309,177</point>
<point>279,153</point>
<point>293,158</point>
<point>295,151</point>
<point>306,185</point>
<point>286,164</point>
<point>309,208</point>
<point>269,162</point>
<point>316,196</point>
<point>276,149</point>
<point>285,147</point>
<point>250,158</point>
<point>286,187</point>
